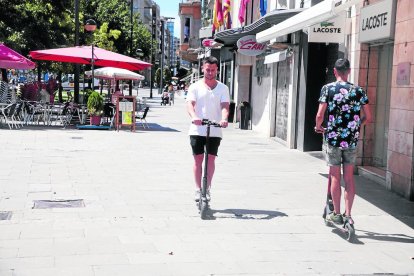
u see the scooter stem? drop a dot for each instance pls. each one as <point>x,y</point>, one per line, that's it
<point>205,177</point>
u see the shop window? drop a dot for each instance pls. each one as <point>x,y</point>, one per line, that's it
<point>187,30</point>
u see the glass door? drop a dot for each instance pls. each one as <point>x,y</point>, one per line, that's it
<point>382,107</point>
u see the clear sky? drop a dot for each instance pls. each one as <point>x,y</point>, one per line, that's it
<point>170,8</point>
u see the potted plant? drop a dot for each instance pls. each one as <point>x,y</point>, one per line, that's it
<point>95,107</point>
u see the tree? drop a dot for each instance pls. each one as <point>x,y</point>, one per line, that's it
<point>166,78</point>
<point>117,15</point>
<point>37,24</point>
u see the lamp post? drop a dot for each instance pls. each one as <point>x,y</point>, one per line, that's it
<point>130,42</point>
<point>163,20</point>
<point>139,54</point>
<point>153,24</point>
<point>90,26</point>
<point>76,87</point>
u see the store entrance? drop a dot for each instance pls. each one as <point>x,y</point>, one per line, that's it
<point>382,104</point>
<point>319,71</point>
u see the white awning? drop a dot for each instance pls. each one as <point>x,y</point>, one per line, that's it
<point>275,57</point>
<point>313,15</point>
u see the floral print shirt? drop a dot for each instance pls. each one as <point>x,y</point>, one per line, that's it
<point>345,101</point>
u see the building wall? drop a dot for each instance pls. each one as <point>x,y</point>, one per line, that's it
<point>365,64</point>
<point>400,144</point>
<point>261,101</point>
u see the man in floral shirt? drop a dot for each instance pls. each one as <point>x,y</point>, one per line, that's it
<point>340,104</point>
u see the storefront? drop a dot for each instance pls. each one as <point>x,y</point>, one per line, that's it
<point>308,68</point>
<point>388,143</point>
<point>246,72</point>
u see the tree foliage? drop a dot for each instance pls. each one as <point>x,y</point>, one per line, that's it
<point>27,25</point>
<point>36,24</point>
<point>166,77</point>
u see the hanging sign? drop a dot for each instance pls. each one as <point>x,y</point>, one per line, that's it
<point>331,31</point>
<point>248,46</point>
<point>208,42</point>
<point>377,22</point>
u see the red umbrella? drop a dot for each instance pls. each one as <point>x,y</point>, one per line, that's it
<point>83,55</point>
<point>10,59</point>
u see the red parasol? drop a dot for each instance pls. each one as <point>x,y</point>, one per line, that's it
<point>10,59</point>
<point>83,55</point>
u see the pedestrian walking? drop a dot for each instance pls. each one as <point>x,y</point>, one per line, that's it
<point>340,105</point>
<point>207,99</point>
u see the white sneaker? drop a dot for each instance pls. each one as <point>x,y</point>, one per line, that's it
<point>208,197</point>
<point>197,195</point>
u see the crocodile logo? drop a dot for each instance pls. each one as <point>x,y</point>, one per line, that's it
<point>327,24</point>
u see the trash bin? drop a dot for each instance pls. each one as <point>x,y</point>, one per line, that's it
<point>244,115</point>
<point>231,111</point>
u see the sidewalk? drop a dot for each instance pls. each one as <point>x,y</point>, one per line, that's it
<point>139,217</point>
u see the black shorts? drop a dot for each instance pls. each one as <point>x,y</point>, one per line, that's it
<point>198,144</point>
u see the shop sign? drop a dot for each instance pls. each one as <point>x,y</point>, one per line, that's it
<point>403,73</point>
<point>248,46</point>
<point>332,31</point>
<point>275,57</point>
<point>377,22</point>
<point>208,42</point>
<point>205,32</point>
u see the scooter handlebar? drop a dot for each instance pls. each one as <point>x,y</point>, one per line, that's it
<point>210,123</point>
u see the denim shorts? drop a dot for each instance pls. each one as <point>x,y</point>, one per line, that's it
<point>198,144</point>
<point>336,156</point>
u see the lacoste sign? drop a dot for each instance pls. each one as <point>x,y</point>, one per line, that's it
<point>248,46</point>
<point>332,31</point>
<point>377,22</point>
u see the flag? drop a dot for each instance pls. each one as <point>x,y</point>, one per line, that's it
<point>242,10</point>
<point>226,13</point>
<point>217,15</point>
<point>263,7</point>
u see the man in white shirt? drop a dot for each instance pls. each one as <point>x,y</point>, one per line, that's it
<point>207,99</point>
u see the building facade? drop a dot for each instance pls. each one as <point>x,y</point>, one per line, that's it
<point>303,39</point>
<point>190,18</point>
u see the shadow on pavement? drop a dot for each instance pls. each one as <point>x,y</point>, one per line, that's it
<point>247,214</point>
<point>154,127</point>
<point>391,203</point>
<point>385,237</point>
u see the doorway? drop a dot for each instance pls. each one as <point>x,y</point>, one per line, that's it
<point>382,107</point>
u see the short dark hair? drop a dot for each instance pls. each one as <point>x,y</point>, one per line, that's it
<point>342,65</point>
<point>211,60</point>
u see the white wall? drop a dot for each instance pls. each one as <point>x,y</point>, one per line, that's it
<point>261,101</point>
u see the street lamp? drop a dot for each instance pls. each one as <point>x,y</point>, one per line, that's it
<point>130,45</point>
<point>90,26</point>
<point>153,24</point>
<point>163,20</point>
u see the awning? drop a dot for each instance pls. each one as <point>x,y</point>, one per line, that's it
<point>276,57</point>
<point>230,37</point>
<point>313,15</point>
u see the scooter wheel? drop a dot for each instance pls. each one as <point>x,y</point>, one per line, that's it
<point>203,209</point>
<point>350,232</point>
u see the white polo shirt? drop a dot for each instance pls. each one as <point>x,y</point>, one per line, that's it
<point>207,105</point>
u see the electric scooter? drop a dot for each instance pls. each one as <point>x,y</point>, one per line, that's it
<point>203,203</point>
<point>348,227</point>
